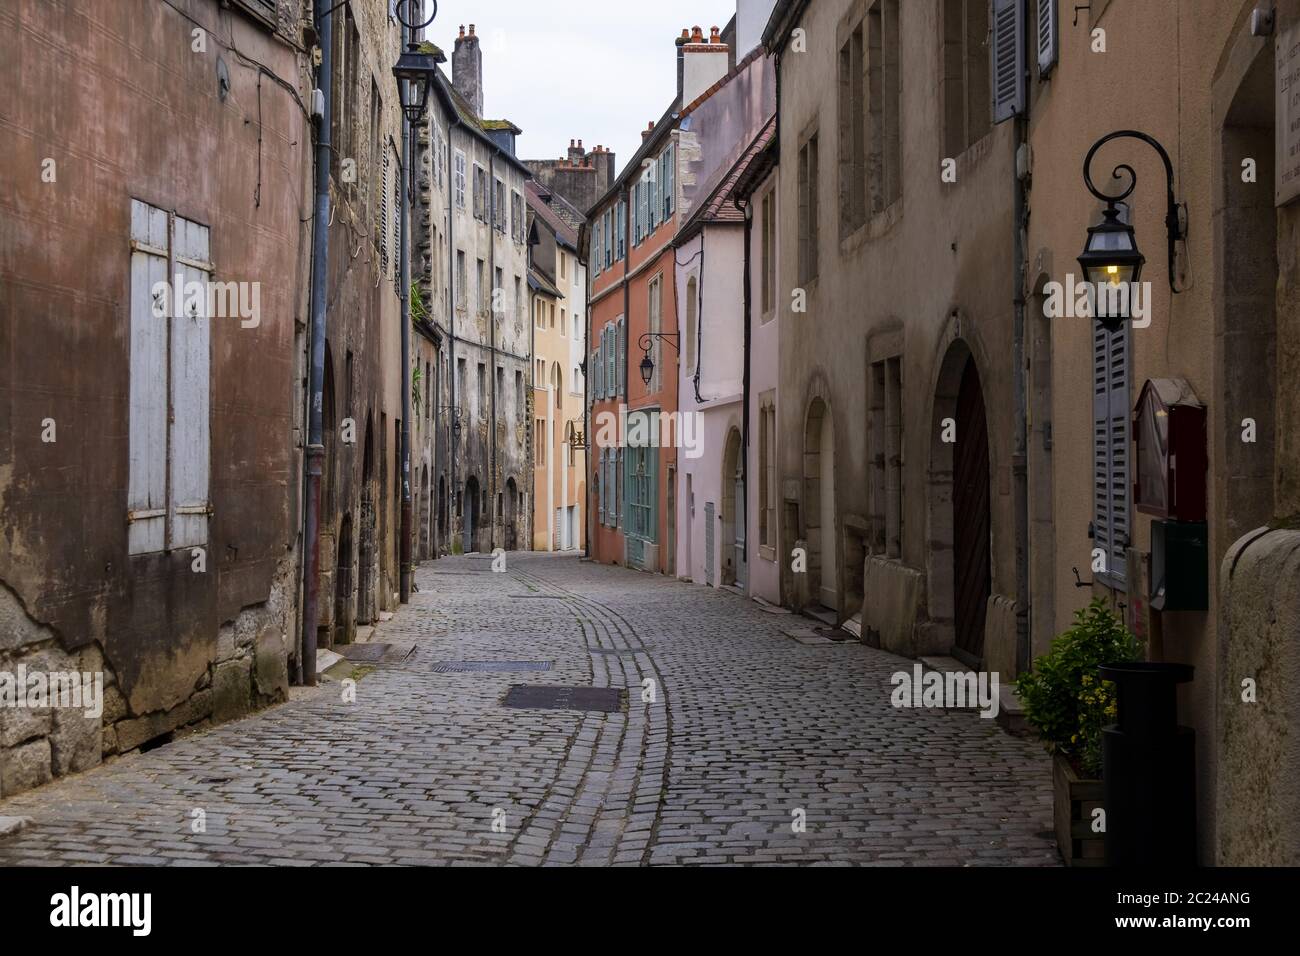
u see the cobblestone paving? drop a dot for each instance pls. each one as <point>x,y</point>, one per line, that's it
<point>748,732</point>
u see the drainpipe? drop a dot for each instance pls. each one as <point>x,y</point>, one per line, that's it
<point>404,545</point>
<point>315,452</point>
<point>745,413</point>
<point>492,331</point>
<point>1019,457</point>
<point>453,120</point>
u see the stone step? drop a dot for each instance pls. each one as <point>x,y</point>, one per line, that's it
<point>1011,712</point>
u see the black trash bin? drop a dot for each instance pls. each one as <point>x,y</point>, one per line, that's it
<point>1149,769</point>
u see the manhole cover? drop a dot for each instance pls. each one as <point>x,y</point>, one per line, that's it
<point>362,652</point>
<point>605,699</point>
<point>478,667</point>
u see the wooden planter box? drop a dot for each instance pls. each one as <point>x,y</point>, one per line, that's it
<point>1073,801</point>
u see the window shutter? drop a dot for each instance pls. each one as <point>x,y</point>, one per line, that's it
<point>622,356</point>
<point>1110,416</point>
<point>595,248</point>
<point>653,201</point>
<point>1007,60</point>
<point>1048,38</point>
<point>382,225</point>
<point>146,499</point>
<point>600,477</point>
<point>670,173</point>
<point>190,361</point>
<point>622,229</point>
<point>620,506</point>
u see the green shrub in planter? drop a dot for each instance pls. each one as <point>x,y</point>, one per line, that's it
<point>1064,699</point>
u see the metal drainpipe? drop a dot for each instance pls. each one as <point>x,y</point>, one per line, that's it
<point>492,332</point>
<point>404,293</point>
<point>315,451</point>
<point>453,121</point>
<point>1019,464</point>
<point>746,305</point>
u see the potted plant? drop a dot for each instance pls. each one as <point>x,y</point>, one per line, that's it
<point>1067,703</point>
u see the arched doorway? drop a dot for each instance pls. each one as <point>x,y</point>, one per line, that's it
<point>819,505</point>
<point>443,505</point>
<point>471,514</point>
<point>368,557</point>
<point>733,512</point>
<point>511,505</point>
<point>959,556</point>
<point>425,512</point>
<point>343,596</point>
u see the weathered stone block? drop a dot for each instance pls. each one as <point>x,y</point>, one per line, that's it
<point>272,666</point>
<point>891,599</point>
<point>25,767</point>
<point>21,723</point>
<point>76,742</point>
<point>231,689</point>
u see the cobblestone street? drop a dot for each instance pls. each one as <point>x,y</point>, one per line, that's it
<point>750,731</point>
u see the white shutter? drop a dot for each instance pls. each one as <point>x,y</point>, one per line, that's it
<point>1007,59</point>
<point>146,501</point>
<point>1048,36</point>
<point>190,392</point>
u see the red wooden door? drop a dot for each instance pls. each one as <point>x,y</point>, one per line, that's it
<point>972,577</point>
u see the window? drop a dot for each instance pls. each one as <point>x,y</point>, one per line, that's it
<point>597,374</point>
<point>885,160</point>
<point>620,228</point>
<point>498,289</point>
<point>519,301</point>
<point>169,430</point>
<point>460,180</point>
<point>374,182</point>
<point>853,136</point>
<point>563,274</point>
<point>427,384</point>
<point>597,243</point>
<point>768,234</point>
<point>499,205</point>
<point>667,178</point>
<point>539,442</point>
<point>965,86</point>
<point>692,318</point>
<point>519,395</point>
<point>460,383</point>
<point>482,390</point>
<point>886,477</point>
<point>482,287</point>
<point>461,293</point>
<point>517,217</point>
<point>1110,449</point>
<point>561,319</point>
<point>612,382</point>
<point>767,473</point>
<point>480,193</point>
<point>501,391</point>
<point>639,477</point>
<point>808,173</point>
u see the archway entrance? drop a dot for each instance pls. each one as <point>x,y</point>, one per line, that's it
<point>343,626</point>
<point>440,540</point>
<point>425,512</point>
<point>471,514</point>
<point>512,505</point>
<point>368,558</point>
<point>819,505</point>
<point>972,570</point>
<point>733,512</point>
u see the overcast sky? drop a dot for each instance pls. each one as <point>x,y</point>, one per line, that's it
<point>595,70</point>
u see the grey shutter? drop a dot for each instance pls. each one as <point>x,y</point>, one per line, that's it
<point>621,358</point>
<point>1048,36</point>
<point>670,155</point>
<point>1007,61</point>
<point>190,444</point>
<point>146,499</point>
<point>1110,403</point>
<point>595,247</point>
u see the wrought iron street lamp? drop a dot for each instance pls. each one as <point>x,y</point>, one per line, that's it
<point>414,71</point>
<point>647,363</point>
<point>1110,255</point>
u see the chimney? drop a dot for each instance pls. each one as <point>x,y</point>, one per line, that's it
<point>467,69</point>
<point>704,62</point>
<point>645,133</point>
<point>575,152</point>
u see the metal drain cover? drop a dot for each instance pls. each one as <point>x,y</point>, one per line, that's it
<point>604,699</point>
<point>480,667</point>
<point>362,652</point>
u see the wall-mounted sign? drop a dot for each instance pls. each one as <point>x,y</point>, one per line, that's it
<point>1286,132</point>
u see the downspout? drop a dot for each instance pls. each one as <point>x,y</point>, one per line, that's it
<point>492,329</point>
<point>404,295</point>
<point>453,120</point>
<point>315,451</point>
<point>1019,457</point>
<point>745,413</point>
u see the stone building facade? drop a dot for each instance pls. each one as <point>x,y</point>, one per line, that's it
<point>470,231</point>
<point>149,461</point>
